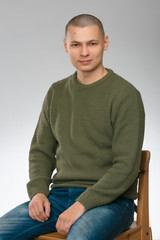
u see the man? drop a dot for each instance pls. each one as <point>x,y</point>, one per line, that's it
<point>91,130</point>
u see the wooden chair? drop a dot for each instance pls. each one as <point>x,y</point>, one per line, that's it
<point>140,229</point>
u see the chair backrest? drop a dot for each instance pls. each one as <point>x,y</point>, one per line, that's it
<point>143,192</point>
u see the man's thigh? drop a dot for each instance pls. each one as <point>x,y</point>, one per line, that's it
<point>17,224</point>
<point>104,222</point>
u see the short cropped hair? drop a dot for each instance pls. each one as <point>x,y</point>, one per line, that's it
<point>85,20</point>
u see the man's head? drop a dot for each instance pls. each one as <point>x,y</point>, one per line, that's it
<point>85,42</point>
<point>85,20</point>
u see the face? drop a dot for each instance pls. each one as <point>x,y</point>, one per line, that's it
<point>85,46</point>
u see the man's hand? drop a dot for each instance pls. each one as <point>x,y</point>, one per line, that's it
<point>39,208</point>
<point>68,217</point>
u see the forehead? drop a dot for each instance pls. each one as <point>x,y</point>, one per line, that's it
<point>83,33</point>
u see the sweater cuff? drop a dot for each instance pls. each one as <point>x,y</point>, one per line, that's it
<point>87,201</point>
<point>38,185</point>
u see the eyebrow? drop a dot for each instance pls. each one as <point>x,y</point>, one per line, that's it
<point>93,40</point>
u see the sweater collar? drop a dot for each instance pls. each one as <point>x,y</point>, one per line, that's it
<point>76,83</point>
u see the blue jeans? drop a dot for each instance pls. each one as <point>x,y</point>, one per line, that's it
<point>104,222</point>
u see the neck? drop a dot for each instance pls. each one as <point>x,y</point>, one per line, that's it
<point>91,77</point>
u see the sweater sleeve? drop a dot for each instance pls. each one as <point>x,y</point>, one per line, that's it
<point>127,119</point>
<point>42,160</point>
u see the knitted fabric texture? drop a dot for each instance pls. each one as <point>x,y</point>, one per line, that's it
<point>92,134</point>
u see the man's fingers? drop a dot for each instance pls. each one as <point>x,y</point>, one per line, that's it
<point>60,226</point>
<point>47,208</point>
<point>39,208</point>
<point>40,213</point>
<point>35,213</point>
<point>68,217</point>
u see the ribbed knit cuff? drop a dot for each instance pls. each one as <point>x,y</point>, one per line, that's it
<point>39,185</point>
<point>87,201</point>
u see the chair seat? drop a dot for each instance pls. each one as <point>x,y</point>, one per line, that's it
<point>51,236</point>
<point>134,229</point>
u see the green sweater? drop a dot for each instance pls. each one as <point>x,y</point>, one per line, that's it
<point>92,135</point>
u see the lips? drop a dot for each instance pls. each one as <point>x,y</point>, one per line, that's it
<point>85,62</point>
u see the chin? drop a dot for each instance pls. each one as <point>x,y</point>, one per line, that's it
<point>85,68</point>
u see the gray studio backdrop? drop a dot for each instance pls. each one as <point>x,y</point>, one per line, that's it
<point>32,58</point>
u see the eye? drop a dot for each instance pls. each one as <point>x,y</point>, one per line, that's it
<point>75,45</point>
<point>93,44</point>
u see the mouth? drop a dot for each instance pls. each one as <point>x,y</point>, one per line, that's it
<point>85,62</point>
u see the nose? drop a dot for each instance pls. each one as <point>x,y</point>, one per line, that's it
<point>84,51</point>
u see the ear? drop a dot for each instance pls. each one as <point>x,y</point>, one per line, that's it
<point>65,45</point>
<point>106,43</point>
